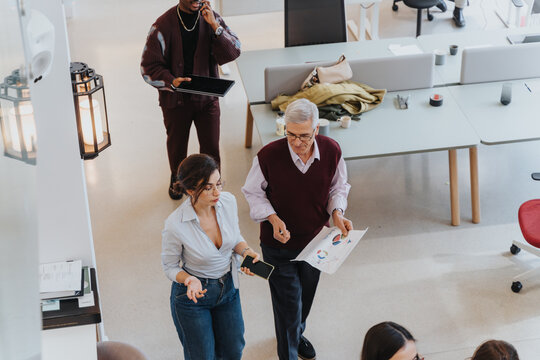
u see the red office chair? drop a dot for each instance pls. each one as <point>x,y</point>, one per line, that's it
<point>529,221</point>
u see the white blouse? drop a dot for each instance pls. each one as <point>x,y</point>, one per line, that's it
<point>185,246</point>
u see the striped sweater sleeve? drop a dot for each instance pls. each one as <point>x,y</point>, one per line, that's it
<point>225,47</point>
<point>154,68</point>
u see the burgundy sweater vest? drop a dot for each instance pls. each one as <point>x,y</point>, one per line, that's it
<point>299,200</point>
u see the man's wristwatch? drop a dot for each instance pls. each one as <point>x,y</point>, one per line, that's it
<point>340,210</point>
<point>219,30</point>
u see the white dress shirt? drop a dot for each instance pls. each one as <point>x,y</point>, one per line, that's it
<point>255,186</point>
<point>186,246</point>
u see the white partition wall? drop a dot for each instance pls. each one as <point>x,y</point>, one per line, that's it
<point>63,214</point>
<point>44,213</point>
<point>20,317</point>
<point>242,7</point>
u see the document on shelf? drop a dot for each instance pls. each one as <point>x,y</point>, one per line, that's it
<point>88,295</point>
<point>60,276</point>
<point>329,249</point>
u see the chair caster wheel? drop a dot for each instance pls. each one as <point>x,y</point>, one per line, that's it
<point>394,7</point>
<point>430,17</point>
<point>516,286</point>
<point>514,249</point>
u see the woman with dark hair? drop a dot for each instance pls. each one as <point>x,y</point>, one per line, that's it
<point>200,245</point>
<point>495,350</point>
<point>389,341</point>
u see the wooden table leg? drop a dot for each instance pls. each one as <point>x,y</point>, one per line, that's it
<point>475,193</point>
<point>454,192</point>
<point>249,127</point>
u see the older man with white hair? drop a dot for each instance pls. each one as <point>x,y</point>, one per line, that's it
<point>293,188</point>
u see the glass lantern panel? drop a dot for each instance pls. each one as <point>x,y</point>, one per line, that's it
<point>18,126</point>
<point>89,109</point>
<point>100,115</point>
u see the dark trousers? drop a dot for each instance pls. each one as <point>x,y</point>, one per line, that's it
<point>292,286</point>
<point>178,123</point>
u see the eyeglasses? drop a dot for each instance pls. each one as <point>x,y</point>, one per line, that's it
<point>208,188</point>
<point>303,138</point>
<point>418,357</point>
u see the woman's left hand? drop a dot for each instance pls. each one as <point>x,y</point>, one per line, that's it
<point>208,14</point>
<point>255,257</point>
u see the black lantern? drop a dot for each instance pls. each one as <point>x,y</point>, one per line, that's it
<point>90,109</point>
<point>17,119</point>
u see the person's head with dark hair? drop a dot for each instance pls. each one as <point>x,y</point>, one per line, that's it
<point>389,341</point>
<point>495,350</point>
<point>198,174</point>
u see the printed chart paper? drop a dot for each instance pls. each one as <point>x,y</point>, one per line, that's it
<point>328,250</point>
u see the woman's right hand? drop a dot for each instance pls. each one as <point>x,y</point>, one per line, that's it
<point>194,288</point>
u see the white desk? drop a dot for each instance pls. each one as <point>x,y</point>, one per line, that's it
<point>68,343</point>
<point>387,131</point>
<point>496,123</point>
<point>450,72</point>
<point>251,64</point>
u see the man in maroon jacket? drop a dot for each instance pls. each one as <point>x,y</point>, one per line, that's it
<point>188,39</point>
<point>293,187</point>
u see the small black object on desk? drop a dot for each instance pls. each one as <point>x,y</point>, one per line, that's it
<point>506,93</point>
<point>436,100</point>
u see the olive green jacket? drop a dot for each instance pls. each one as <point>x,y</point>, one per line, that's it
<point>354,97</point>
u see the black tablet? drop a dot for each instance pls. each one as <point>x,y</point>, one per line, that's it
<point>206,86</point>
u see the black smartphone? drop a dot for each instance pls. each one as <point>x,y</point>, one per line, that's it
<point>260,268</point>
<point>535,176</point>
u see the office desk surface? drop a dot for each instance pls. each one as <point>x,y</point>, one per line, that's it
<point>251,64</point>
<point>496,123</point>
<point>388,130</point>
<point>450,72</point>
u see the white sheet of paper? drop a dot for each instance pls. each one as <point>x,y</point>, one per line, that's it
<point>60,276</point>
<point>398,49</point>
<point>86,300</point>
<point>328,250</point>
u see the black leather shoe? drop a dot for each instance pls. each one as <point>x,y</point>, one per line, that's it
<point>305,349</point>
<point>459,19</point>
<point>175,195</point>
<point>441,5</point>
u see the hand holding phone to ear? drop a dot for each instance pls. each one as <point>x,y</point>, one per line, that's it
<point>208,14</point>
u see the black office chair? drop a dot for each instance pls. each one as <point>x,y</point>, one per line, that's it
<point>419,5</point>
<point>309,22</point>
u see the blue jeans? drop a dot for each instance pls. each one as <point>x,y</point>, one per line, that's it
<point>213,328</point>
